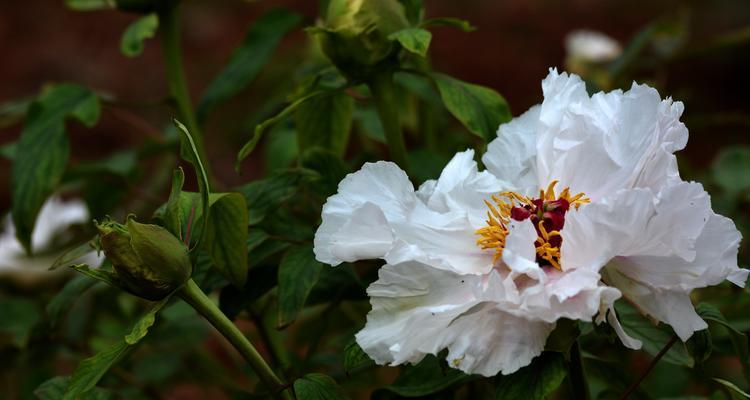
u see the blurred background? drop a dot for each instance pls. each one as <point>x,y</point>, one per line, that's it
<point>697,52</point>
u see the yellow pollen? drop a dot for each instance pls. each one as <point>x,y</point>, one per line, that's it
<point>492,236</point>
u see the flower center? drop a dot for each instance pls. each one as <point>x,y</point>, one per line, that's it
<point>547,213</point>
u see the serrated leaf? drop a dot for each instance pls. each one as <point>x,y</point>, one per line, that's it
<point>88,373</point>
<point>457,23</point>
<point>331,168</point>
<point>426,378</point>
<point>42,151</point>
<point>480,109</point>
<point>325,121</point>
<point>739,339</point>
<point>227,236</point>
<point>248,59</point>
<point>355,358</point>
<point>535,381</point>
<point>265,195</point>
<point>131,44</point>
<point>298,273</point>
<point>318,387</point>
<point>414,40</point>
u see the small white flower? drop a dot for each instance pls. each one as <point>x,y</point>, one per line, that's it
<point>591,46</point>
<point>581,204</point>
<point>54,218</point>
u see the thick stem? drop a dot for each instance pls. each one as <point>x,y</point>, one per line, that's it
<point>651,366</point>
<point>178,90</point>
<point>386,103</point>
<point>194,296</point>
<point>576,374</point>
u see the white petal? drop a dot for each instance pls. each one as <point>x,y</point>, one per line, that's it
<point>519,253</point>
<point>365,235</point>
<point>419,310</point>
<point>626,339</point>
<point>511,157</point>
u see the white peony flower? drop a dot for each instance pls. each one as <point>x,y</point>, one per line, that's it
<point>54,218</point>
<point>484,263</point>
<point>591,46</point>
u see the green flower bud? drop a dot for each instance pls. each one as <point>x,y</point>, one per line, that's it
<point>355,35</point>
<point>148,260</point>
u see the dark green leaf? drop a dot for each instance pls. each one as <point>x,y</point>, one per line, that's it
<point>90,5</point>
<point>227,236</point>
<point>739,339</point>
<point>480,109</point>
<point>325,121</point>
<point>65,298</point>
<point>42,151</point>
<point>318,387</point>
<point>699,346</point>
<point>298,273</point>
<point>414,10</point>
<point>8,151</point>
<point>131,44</point>
<point>195,159</point>
<point>282,143</point>
<point>54,389</point>
<point>174,211</point>
<point>355,358</point>
<point>91,370</point>
<point>426,378</point>
<point>17,319</point>
<point>562,338</point>
<point>330,167</point>
<point>67,258</point>
<point>735,392</point>
<point>98,273</point>
<point>248,147</point>
<point>730,168</point>
<point>535,381</point>
<point>457,23</point>
<point>266,195</point>
<point>415,40</point>
<point>654,337</point>
<point>247,60</point>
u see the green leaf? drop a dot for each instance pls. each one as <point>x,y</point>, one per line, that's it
<point>298,273</point>
<point>699,346</point>
<point>282,143</point>
<point>355,358</point>
<point>174,211</point>
<point>414,10</point>
<point>330,167</point>
<point>739,339</point>
<point>193,157</point>
<point>562,338</point>
<point>426,378</point>
<point>42,151</point>
<point>90,5</point>
<point>131,44</point>
<point>265,195</point>
<point>69,256</point>
<point>325,121</point>
<point>730,169</point>
<point>480,109</point>
<point>8,151</point>
<point>248,147</point>
<point>91,370</point>
<point>17,319</point>
<point>318,387</point>
<point>415,40</point>
<point>736,393</point>
<point>65,298</point>
<point>54,389</point>
<point>535,381</point>
<point>98,273</point>
<point>654,337</point>
<point>457,23</point>
<point>227,236</point>
<point>247,60</point>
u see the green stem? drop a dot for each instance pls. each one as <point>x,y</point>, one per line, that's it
<point>194,296</point>
<point>576,374</point>
<point>386,103</point>
<point>178,89</point>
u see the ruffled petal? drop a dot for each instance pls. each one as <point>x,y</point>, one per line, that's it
<point>419,310</point>
<point>511,157</point>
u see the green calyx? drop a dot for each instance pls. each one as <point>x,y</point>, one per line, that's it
<point>355,34</point>
<point>148,260</point>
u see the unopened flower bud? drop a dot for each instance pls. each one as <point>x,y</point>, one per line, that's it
<point>148,260</point>
<point>355,35</point>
